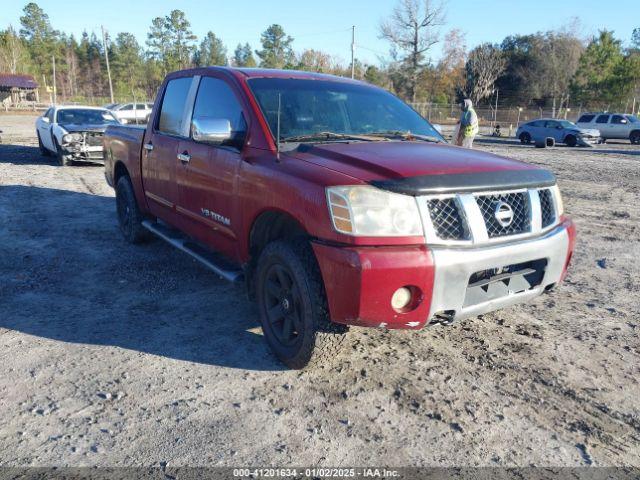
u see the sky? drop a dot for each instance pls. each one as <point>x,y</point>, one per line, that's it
<point>326,24</point>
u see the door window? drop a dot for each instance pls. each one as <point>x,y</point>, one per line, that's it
<point>215,99</point>
<point>551,124</point>
<point>128,106</point>
<point>173,103</point>
<point>602,119</point>
<point>586,118</point>
<point>618,119</point>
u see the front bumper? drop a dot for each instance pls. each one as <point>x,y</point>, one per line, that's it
<point>360,281</point>
<point>84,153</point>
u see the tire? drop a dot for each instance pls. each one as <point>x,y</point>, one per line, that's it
<point>634,137</point>
<point>129,216</point>
<point>63,159</point>
<point>44,151</point>
<point>571,141</point>
<point>293,305</point>
<point>525,138</point>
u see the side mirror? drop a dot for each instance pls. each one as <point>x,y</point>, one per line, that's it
<point>623,121</point>
<point>45,119</point>
<point>214,131</point>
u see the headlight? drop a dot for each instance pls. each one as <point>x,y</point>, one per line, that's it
<point>558,198</point>
<point>72,138</point>
<point>369,211</point>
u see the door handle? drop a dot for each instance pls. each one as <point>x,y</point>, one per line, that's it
<point>148,146</point>
<point>184,157</point>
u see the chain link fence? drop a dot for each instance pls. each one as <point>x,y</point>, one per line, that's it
<point>508,117</point>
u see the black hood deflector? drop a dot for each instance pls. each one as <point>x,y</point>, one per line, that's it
<point>468,182</point>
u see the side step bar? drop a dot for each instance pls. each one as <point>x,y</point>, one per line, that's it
<point>203,255</point>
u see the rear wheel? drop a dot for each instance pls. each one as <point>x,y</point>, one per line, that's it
<point>293,306</point>
<point>571,140</point>
<point>129,216</point>
<point>634,137</point>
<point>525,138</point>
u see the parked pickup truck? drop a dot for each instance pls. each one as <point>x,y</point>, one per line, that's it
<point>335,203</point>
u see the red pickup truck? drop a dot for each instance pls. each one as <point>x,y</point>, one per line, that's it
<point>336,204</point>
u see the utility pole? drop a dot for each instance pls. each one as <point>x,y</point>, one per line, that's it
<point>55,91</point>
<point>106,59</point>
<point>353,51</point>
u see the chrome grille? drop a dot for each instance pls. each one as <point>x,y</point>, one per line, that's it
<point>446,219</point>
<point>521,219</point>
<point>546,207</point>
<point>470,218</point>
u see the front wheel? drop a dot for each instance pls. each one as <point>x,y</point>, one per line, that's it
<point>525,138</point>
<point>571,141</point>
<point>129,216</point>
<point>293,305</point>
<point>635,137</point>
<point>63,159</point>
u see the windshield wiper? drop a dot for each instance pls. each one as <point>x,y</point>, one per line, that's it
<point>324,136</point>
<point>405,136</point>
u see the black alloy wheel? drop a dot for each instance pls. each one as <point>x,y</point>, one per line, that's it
<point>283,305</point>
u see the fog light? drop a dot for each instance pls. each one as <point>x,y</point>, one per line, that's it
<point>401,298</point>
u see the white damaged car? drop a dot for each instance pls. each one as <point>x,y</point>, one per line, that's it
<point>73,134</point>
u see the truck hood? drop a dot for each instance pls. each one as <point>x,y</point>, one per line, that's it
<point>419,167</point>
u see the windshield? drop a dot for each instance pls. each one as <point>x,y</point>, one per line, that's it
<point>312,107</point>
<point>85,117</point>
<point>567,124</point>
<point>632,118</point>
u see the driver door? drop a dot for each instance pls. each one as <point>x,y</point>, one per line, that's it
<point>207,173</point>
<point>44,129</point>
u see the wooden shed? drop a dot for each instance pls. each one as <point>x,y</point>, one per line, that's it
<point>15,88</point>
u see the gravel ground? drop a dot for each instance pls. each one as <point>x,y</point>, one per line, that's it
<point>121,355</point>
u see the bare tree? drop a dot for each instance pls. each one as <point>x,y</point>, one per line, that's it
<point>412,30</point>
<point>12,52</point>
<point>557,61</point>
<point>484,66</point>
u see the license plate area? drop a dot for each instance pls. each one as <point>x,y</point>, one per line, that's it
<point>499,282</point>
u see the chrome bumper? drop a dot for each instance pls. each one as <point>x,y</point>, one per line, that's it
<point>455,266</point>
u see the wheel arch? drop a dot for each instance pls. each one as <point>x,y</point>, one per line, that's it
<point>268,226</point>
<point>119,170</point>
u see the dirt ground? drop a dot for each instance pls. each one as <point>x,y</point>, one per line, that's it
<point>114,354</point>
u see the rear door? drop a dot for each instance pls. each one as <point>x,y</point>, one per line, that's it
<point>160,147</point>
<point>207,174</point>
<point>602,124</point>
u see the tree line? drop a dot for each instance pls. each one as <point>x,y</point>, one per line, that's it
<point>546,69</point>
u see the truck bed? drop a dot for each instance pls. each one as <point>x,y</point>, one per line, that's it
<point>123,143</point>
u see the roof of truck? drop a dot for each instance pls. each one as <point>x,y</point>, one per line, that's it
<point>275,73</point>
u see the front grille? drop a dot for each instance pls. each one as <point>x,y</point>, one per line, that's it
<point>93,139</point>
<point>455,218</point>
<point>518,203</point>
<point>446,219</point>
<point>546,207</point>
